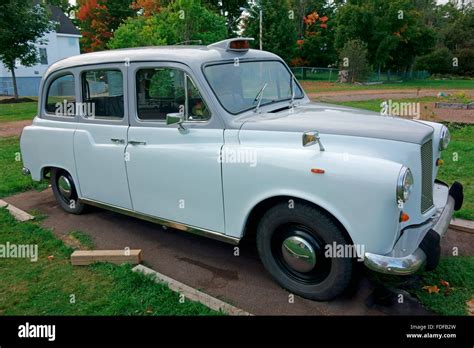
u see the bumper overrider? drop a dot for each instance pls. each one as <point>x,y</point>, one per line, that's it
<point>419,245</point>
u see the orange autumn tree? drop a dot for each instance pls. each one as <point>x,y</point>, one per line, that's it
<point>316,48</point>
<point>98,19</point>
<point>148,8</point>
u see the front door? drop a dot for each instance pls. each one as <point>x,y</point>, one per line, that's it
<point>173,173</point>
<point>101,136</point>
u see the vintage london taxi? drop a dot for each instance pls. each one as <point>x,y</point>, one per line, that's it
<point>222,141</point>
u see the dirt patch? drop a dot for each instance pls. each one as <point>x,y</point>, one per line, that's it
<point>14,128</point>
<point>341,96</point>
<point>430,113</point>
<point>14,101</point>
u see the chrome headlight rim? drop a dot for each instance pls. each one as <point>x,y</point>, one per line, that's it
<point>404,184</point>
<point>445,138</point>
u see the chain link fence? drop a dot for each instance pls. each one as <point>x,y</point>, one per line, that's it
<point>332,74</point>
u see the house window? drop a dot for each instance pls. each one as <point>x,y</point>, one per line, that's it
<point>43,56</point>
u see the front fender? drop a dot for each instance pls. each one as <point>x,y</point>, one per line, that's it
<point>359,191</point>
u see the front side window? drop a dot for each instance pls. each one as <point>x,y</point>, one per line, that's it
<point>163,91</point>
<point>61,96</point>
<point>238,85</point>
<point>102,92</point>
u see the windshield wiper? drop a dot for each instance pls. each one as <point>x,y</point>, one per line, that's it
<point>259,97</point>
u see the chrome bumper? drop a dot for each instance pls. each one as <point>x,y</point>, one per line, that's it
<point>425,244</point>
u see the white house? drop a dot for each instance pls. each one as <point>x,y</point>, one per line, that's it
<point>62,43</point>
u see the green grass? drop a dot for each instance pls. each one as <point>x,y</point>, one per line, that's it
<point>11,179</point>
<point>441,85</point>
<point>458,271</point>
<point>459,165</point>
<point>83,239</point>
<point>46,287</point>
<point>18,111</point>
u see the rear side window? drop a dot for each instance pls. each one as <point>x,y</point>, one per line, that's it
<point>102,92</point>
<point>61,97</point>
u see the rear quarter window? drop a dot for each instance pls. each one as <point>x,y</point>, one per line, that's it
<point>61,96</point>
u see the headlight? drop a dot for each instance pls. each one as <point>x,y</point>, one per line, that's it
<point>444,139</point>
<point>405,184</point>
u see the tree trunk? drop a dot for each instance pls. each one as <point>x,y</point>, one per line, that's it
<point>15,88</point>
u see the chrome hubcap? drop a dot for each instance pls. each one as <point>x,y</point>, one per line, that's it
<point>64,187</point>
<point>298,254</point>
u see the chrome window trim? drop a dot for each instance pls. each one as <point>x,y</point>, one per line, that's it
<point>45,93</point>
<point>112,119</point>
<point>185,74</point>
<point>165,222</point>
<point>243,61</point>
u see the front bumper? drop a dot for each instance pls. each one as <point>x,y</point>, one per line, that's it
<point>420,245</point>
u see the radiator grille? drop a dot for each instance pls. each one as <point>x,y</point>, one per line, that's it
<point>427,176</point>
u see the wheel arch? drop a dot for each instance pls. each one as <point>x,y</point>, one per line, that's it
<point>254,216</point>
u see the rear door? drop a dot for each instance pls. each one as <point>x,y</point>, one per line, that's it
<point>101,135</point>
<point>174,174</point>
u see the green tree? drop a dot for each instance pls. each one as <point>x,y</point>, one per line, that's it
<point>279,33</point>
<point>22,25</point>
<point>394,31</point>
<point>353,57</point>
<point>98,19</point>
<point>316,29</point>
<point>437,62</point>
<point>182,21</point>
<point>230,9</point>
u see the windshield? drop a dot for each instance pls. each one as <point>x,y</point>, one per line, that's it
<point>237,85</point>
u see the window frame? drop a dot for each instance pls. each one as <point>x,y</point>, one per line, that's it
<point>82,80</point>
<point>46,55</point>
<point>44,98</point>
<point>105,66</point>
<point>211,122</point>
<point>244,61</point>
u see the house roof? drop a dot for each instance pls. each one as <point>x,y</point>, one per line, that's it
<point>65,24</point>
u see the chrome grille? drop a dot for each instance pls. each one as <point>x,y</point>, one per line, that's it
<point>427,176</point>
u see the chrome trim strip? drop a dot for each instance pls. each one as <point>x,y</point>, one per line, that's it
<point>168,223</point>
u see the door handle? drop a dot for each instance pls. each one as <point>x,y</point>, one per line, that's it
<point>117,141</point>
<point>133,142</point>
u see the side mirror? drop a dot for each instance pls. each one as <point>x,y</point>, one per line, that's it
<point>175,118</point>
<point>312,138</point>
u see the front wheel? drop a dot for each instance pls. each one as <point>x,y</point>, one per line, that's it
<point>65,192</point>
<point>292,246</point>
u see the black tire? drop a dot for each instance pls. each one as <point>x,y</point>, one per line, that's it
<point>329,277</point>
<point>69,204</point>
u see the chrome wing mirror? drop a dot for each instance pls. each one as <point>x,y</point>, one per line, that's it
<point>312,138</point>
<point>175,118</point>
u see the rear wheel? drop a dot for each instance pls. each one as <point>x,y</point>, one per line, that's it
<point>65,191</point>
<point>292,246</point>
